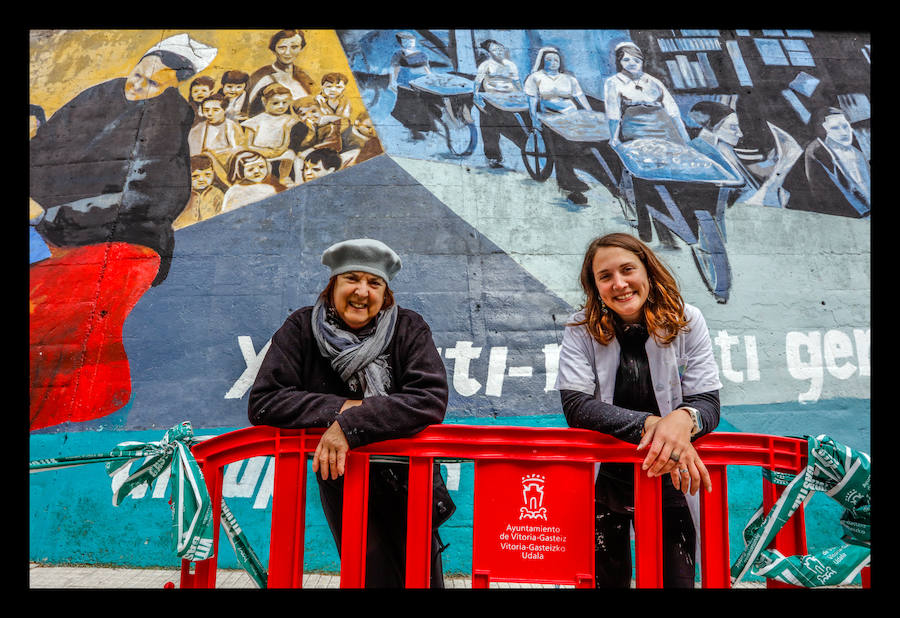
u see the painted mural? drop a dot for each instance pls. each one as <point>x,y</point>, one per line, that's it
<point>184,184</point>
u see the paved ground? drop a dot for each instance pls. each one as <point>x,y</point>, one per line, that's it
<point>41,576</point>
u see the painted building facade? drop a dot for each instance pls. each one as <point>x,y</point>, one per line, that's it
<point>173,230</point>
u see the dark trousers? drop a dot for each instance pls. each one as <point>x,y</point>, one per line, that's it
<point>496,122</point>
<point>386,532</point>
<point>612,551</point>
<point>567,156</point>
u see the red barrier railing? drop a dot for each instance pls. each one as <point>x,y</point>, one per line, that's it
<point>568,452</point>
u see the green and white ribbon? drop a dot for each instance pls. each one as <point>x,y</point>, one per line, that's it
<point>841,473</point>
<point>192,508</point>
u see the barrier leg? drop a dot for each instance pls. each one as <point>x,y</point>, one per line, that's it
<point>647,530</point>
<point>418,523</point>
<point>353,521</point>
<point>481,579</point>
<point>791,539</point>
<point>288,521</point>
<point>714,551</point>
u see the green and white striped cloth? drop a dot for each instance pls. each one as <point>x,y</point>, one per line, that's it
<point>840,472</point>
<point>191,504</point>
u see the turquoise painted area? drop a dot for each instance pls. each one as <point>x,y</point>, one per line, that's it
<point>72,519</point>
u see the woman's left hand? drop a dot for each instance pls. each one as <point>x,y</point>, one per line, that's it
<point>667,437</point>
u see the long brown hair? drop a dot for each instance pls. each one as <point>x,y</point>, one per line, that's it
<point>664,309</point>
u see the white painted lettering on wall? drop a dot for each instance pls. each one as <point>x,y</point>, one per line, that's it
<point>811,354</point>
<point>809,357</point>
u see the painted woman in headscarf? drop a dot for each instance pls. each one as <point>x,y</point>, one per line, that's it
<point>368,370</point>
<point>637,104</point>
<point>109,172</point>
<point>553,90</point>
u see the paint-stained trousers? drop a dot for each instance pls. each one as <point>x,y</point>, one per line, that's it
<point>612,552</point>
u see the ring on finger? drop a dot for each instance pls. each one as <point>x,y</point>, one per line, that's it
<point>685,471</point>
<point>674,456</point>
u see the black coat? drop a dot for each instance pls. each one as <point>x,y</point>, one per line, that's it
<point>296,387</point>
<point>108,169</point>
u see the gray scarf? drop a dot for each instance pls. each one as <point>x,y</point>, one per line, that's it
<point>361,362</point>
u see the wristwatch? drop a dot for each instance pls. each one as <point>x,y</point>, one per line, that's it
<point>695,416</point>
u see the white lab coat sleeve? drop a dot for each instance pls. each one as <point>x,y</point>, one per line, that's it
<point>696,363</point>
<point>576,369</point>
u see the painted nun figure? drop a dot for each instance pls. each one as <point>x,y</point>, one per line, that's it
<point>368,370</point>
<point>109,173</point>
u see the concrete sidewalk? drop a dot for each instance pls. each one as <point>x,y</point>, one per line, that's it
<point>68,577</point>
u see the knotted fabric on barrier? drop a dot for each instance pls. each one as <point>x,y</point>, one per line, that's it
<point>192,508</point>
<point>843,474</point>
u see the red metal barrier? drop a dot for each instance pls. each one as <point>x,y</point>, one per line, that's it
<point>499,452</point>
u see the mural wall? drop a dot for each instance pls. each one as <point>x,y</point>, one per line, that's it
<point>183,185</point>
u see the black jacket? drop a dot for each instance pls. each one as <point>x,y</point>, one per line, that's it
<point>296,386</point>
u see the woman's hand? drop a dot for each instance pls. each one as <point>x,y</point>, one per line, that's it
<point>669,437</point>
<point>331,452</point>
<point>690,473</point>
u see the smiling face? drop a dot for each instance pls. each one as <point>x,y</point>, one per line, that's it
<point>233,90</point>
<point>622,281</point>
<point>358,297</point>
<point>199,92</point>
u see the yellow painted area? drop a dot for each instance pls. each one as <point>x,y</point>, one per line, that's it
<point>63,63</point>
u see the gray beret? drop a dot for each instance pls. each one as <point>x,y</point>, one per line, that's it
<point>363,254</point>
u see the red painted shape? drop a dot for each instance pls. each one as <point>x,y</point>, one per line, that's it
<point>78,301</point>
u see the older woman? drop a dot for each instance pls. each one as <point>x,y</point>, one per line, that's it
<point>636,363</point>
<point>638,104</point>
<point>368,370</point>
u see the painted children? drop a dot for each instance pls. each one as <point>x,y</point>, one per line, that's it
<point>248,174</point>
<point>216,134</point>
<point>199,89</point>
<point>206,197</point>
<point>333,102</point>
<point>268,133</point>
<point>234,88</point>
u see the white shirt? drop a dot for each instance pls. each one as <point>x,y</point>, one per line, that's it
<point>240,195</point>
<point>498,76</point>
<point>558,90</point>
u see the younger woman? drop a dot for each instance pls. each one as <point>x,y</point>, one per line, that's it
<point>636,363</point>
